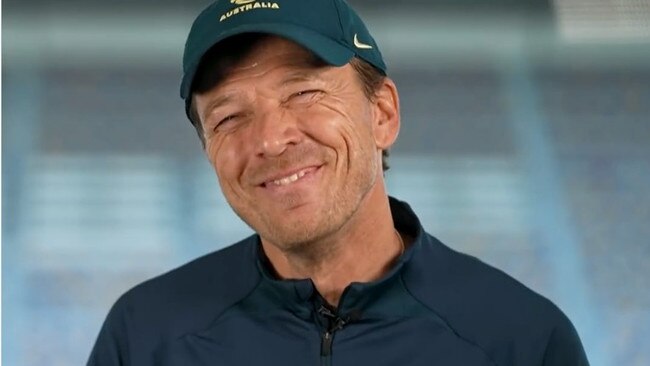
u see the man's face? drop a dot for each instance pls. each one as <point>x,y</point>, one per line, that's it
<point>294,146</point>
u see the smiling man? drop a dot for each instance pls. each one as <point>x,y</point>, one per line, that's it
<point>294,109</point>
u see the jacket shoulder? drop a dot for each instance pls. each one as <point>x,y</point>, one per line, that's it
<point>186,299</point>
<point>490,309</point>
<point>200,289</point>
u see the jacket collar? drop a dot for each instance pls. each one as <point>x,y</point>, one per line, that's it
<point>301,297</point>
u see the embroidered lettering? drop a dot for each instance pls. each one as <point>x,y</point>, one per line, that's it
<point>248,6</point>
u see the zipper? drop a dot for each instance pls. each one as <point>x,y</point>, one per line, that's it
<point>328,337</point>
<point>335,323</point>
<point>326,344</point>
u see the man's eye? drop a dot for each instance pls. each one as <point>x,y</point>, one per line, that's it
<point>224,121</point>
<point>229,118</point>
<point>305,93</point>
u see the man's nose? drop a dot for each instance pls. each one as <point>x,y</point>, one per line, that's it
<point>275,130</point>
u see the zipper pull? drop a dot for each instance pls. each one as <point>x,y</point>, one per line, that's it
<point>326,344</point>
<point>339,323</point>
<point>325,311</point>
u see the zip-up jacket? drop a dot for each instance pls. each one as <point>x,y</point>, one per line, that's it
<point>435,307</point>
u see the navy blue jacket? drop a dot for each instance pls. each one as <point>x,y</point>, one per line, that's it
<point>435,307</point>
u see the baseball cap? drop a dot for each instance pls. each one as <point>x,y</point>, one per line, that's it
<point>330,29</point>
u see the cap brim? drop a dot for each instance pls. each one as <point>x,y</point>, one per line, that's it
<point>332,52</point>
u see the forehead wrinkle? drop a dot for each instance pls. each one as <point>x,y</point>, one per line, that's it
<point>300,63</point>
<point>301,76</point>
<point>298,73</point>
<point>220,101</point>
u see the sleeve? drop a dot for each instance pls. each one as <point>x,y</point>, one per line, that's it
<point>112,344</point>
<point>564,347</point>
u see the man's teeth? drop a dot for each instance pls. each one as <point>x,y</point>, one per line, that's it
<point>289,179</point>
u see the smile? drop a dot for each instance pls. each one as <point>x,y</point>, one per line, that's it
<point>289,179</point>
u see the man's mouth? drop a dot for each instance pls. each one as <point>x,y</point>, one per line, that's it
<point>291,178</point>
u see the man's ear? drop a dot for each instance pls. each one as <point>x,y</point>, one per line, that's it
<point>387,116</point>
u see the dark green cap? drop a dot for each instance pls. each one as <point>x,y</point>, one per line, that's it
<point>331,29</point>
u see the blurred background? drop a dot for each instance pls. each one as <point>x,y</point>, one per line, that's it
<point>525,141</point>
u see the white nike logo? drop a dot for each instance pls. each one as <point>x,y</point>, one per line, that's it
<point>363,46</point>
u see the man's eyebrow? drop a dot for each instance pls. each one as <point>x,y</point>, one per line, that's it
<point>219,102</point>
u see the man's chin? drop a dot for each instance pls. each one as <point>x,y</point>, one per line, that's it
<point>291,240</point>
<point>297,237</point>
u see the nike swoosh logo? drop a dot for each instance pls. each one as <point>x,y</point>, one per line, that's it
<point>360,45</point>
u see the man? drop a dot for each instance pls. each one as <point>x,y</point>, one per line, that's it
<point>294,110</point>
